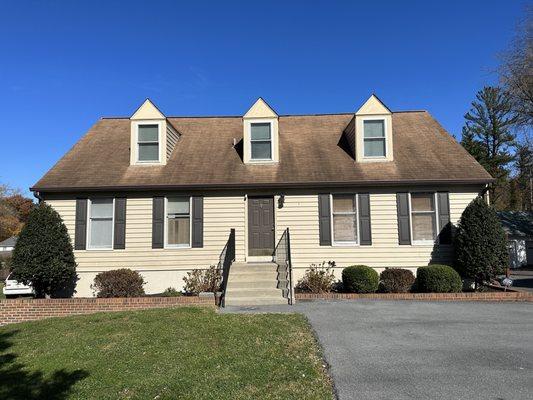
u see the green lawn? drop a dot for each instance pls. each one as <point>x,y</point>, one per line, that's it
<point>184,353</point>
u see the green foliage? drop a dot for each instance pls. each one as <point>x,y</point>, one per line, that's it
<point>122,282</point>
<point>171,292</point>
<point>319,278</point>
<point>360,279</point>
<point>43,254</point>
<point>480,243</point>
<point>396,280</point>
<point>202,280</point>
<point>436,278</point>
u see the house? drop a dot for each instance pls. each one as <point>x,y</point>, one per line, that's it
<point>518,225</point>
<point>7,246</point>
<point>161,194</point>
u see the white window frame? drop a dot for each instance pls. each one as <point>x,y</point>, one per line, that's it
<point>344,243</point>
<point>178,246</point>
<point>159,142</point>
<point>261,121</point>
<point>436,225</point>
<point>385,137</point>
<point>89,205</point>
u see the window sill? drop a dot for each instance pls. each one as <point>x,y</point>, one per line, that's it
<point>345,244</point>
<point>167,247</point>
<point>147,163</point>
<point>261,162</point>
<point>99,249</point>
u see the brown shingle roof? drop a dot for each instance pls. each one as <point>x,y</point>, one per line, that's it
<point>310,155</point>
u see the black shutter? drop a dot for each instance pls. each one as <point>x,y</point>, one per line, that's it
<point>158,223</point>
<point>404,216</point>
<point>445,227</point>
<point>365,229</point>
<point>80,231</point>
<point>119,240</point>
<point>197,221</point>
<point>324,219</point>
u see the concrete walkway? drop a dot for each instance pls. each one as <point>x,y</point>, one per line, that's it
<point>423,350</point>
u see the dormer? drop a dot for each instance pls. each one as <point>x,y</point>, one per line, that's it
<point>373,132</point>
<point>152,137</point>
<point>261,134</point>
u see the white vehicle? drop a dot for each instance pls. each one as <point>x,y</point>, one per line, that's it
<point>13,287</point>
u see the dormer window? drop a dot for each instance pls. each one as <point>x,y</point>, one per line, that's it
<point>261,141</point>
<point>374,138</point>
<point>148,143</point>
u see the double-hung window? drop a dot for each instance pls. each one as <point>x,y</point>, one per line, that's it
<point>423,217</point>
<point>344,219</point>
<point>148,143</point>
<point>101,223</point>
<point>178,224</point>
<point>261,140</point>
<point>374,138</point>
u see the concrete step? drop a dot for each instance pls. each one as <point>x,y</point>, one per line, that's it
<point>253,267</point>
<point>254,301</point>
<point>254,292</point>
<point>259,283</point>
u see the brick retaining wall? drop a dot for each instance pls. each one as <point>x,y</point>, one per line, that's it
<point>486,296</point>
<point>19,310</point>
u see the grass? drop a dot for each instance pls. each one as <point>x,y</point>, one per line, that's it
<point>2,295</point>
<point>184,353</point>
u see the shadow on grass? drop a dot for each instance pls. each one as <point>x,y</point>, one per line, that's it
<point>17,383</point>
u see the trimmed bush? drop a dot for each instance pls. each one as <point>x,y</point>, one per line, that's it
<point>43,254</point>
<point>317,279</point>
<point>360,279</point>
<point>480,245</point>
<point>396,280</point>
<point>119,283</point>
<point>202,280</point>
<point>438,278</point>
<point>171,292</point>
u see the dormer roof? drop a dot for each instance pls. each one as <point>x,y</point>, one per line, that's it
<point>146,111</point>
<point>260,109</point>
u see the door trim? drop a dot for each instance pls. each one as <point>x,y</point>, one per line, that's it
<point>249,258</point>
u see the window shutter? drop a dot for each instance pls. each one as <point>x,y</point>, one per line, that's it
<point>404,216</point>
<point>324,219</point>
<point>158,223</point>
<point>365,229</point>
<point>119,239</point>
<point>197,221</point>
<point>80,230</point>
<point>443,201</point>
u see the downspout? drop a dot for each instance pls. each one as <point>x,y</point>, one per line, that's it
<point>38,196</point>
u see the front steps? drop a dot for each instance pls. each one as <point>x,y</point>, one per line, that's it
<point>253,284</point>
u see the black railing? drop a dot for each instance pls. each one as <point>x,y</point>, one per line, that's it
<point>282,257</point>
<point>225,260</point>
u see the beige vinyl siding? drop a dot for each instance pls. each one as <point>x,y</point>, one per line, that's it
<point>172,139</point>
<point>349,134</point>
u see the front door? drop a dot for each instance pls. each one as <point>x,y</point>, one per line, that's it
<point>260,226</point>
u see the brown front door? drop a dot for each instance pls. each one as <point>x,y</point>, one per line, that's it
<point>260,226</point>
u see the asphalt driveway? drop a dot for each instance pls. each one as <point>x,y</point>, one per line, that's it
<point>425,350</point>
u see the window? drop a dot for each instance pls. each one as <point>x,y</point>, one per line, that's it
<point>261,141</point>
<point>148,141</point>
<point>101,224</point>
<point>423,217</point>
<point>344,216</point>
<point>374,138</point>
<point>178,222</point>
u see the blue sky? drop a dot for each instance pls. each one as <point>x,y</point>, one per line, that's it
<point>64,64</point>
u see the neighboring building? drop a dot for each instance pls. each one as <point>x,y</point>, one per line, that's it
<point>518,226</point>
<point>8,245</point>
<point>160,194</point>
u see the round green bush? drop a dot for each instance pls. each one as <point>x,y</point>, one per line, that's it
<point>396,280</point>
<point>122,282</point>
<point>437,278</point>
<point>360,279</point>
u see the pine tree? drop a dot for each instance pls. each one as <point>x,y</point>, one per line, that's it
<point>488,135</point>
<point>480,243</point>
<point>43,254</point>
<point>524,170</point>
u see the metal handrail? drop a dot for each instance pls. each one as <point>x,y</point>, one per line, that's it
<point>226,258</point>
<point>282,257</point>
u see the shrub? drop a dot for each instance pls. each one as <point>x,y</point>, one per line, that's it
<point>360,279</point>
<point>480,244</point>
<point>319,278</point>
<point>396,280</point>
<point>437,278</point>
<point>43,254</point>
<point>171,292</point>
<point>202,280</point>
<point>119,283</point>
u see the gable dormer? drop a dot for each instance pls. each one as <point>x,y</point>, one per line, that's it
<point>372,132</point>
<point>152,137</point>
<point>261,134</point>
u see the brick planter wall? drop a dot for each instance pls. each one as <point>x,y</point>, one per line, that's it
<point>19,310</point>
<point>487,296</point>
